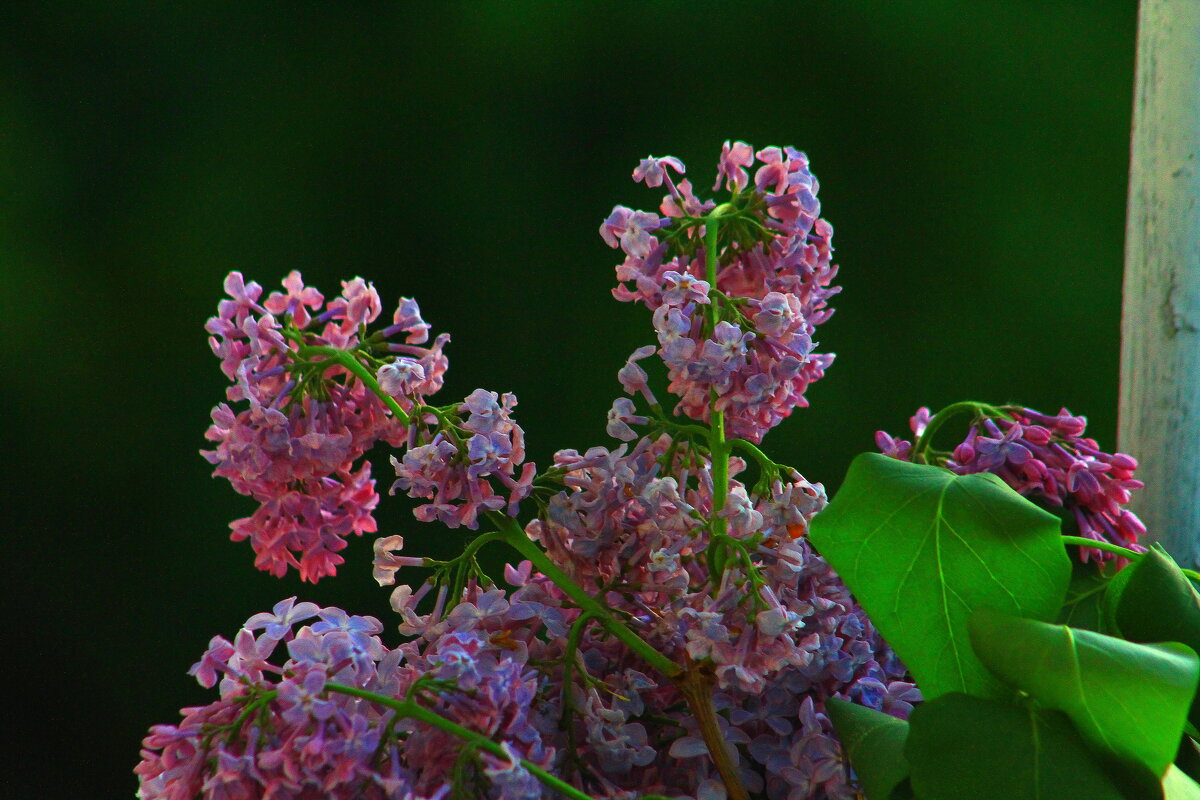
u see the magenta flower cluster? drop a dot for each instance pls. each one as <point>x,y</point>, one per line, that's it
<point>1046,458</point>
<point>307,421</point>
<point>294,445</point>
<point>740,341</point>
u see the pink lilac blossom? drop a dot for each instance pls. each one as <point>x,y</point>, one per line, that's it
<point>629,524</point>
<point>755,365</point>
<point>294,444</point>
<point>456,482</point>
<point>276,731</point>
<point>1046,458</point>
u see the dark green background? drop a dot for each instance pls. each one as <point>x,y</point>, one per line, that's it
<point>972,158</point>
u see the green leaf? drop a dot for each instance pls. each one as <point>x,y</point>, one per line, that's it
<point>1084,604</point>
<point>1112,599</point>
<point>1125,698</point>
<point>967,747</point>
<point>874,744</point>
<point>1178,786</point>
<point>1159,604</point>
<point>921,548</point>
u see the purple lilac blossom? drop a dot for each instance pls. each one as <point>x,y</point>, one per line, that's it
<point>619,515</point>
<point>294,450</point>
<point>627,522</point>
<point>628,525</point>
<point>458,480</point>
<point>775,292</point>
<point>1046,458</point>
<point>306,741</point>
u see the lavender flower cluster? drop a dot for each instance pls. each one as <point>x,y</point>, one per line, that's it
<point>438,470</point>
<point>276,732</point>
<point>624,529</point>
<point>701,555</point>
<point>755,363</point>
<point>1046,458</point>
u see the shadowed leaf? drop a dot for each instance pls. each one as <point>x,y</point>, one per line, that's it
<point>874,744</point>
<point>1159,604</point>
<point>1126,698</point>
<point>966,747</point>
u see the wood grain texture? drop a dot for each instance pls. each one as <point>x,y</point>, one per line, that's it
<point>1160,328</point>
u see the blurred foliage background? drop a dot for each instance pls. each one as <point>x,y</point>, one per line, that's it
<point>972,159</point>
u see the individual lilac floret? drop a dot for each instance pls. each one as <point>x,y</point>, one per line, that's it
<point>297,301</point>
<point>683,289</point>
<point>387,563</point>
<point>620,417</point>
<point>653,170</point>
<point>731,168</point>
<point>408,319</point>
<point>1046,458</point>
<point>402,377</point>
<point>631,230</point>
<point>282,619</point>
<point>633,378</point>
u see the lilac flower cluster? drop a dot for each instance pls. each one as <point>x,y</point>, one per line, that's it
<point>493,444</point>
<point>1046,458</point>
<point>294,446</point>
<point>663,539</point>
<point>754,357</point>
<point>279,732</point>
<point>310,419</point>
<point>630,526</point>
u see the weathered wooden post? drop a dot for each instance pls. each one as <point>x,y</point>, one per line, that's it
<point>1160,327</point>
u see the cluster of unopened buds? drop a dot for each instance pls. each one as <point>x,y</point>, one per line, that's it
<point>668,630</point>
<point>1045,457</point>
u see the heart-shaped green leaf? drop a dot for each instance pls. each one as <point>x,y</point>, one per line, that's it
<point>1125,698</point>
<point>967,747</point>
<point>874,744</point>
<point>1159,604</point>
<point>922,548</point>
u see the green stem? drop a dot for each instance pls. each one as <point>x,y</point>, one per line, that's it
<point>471,549</point>
<point>1109,547</point>
<point>346,358</point>
<point>573,637</point>
<point>718,447</point>
<point>568,706</point>
<point>512,533</point>
<point>939,419</point>
<point>696,687</point>
<point>411,709</point>
<point>694,430</point>
<point>764,460</point>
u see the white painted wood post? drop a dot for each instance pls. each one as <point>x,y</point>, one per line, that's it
<point>1160,326</point>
